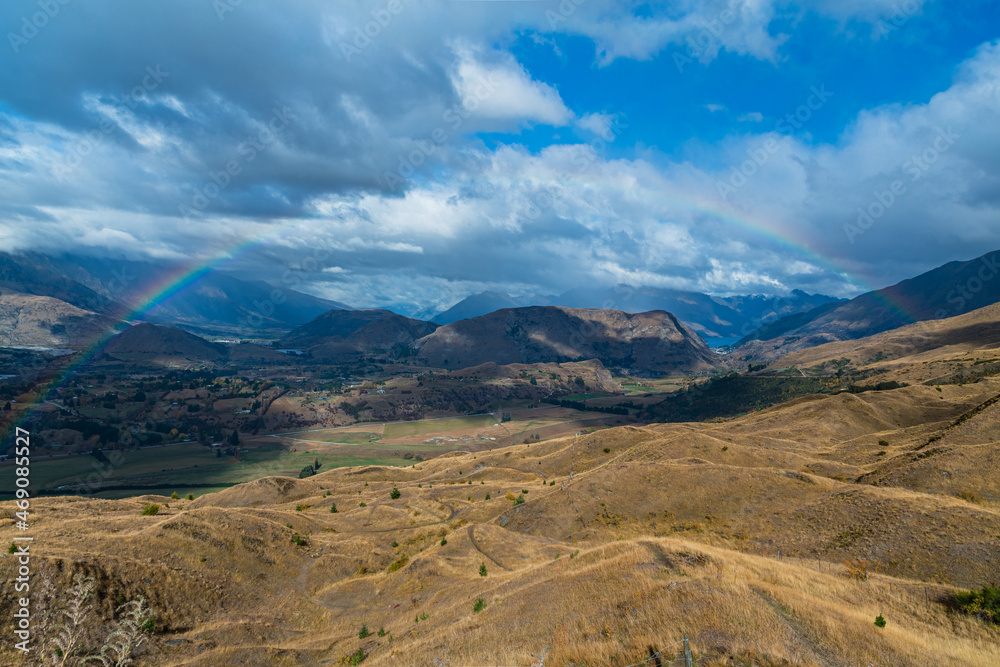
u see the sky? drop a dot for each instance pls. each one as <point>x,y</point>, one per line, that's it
<point>411,152</point>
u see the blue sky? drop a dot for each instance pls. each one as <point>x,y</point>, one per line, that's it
<point>457,147</point>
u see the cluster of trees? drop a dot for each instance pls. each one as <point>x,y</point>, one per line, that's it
<point>733,394</point>
<point>310,469</point>
<point>580,405</point>
<point>878,386</point>
<point>106,434</point>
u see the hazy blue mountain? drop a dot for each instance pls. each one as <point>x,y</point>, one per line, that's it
<point>477,305</point>
<point>949,290</point>
<point>720,320</point>
<point>217,302</point>
<point>35,275</point>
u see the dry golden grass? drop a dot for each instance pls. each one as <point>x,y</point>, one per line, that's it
<point>673,531</point>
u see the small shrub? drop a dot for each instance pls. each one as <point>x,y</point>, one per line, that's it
<point>203,559</point>
<point>487,496</point>
<point>510,496</point>
<point>883,443</point>
<point>189,496</point>
<point>552,483</point>
<point>150,509</point>
<point>482,570</point>
<point>479,605</point>
<point>363,632</point>
<point>381,632</point>
<point>403,560</point>
<point>444,541</point>
<point>879,621</point>
<point>519,500</point>
<point>726,448</point>
<point>12,548</point>
<point>333,508</point>
<point>394,494</point>
<point>983,604</point>
<point>395,544</point>
<point>174,496</point>
<point>299,540</point>
<point>362,505</point>
<point>298,508</point>
<point>971,497</point>
<point>525,491</point>
<point>358,657</point>
<point>607,450</point>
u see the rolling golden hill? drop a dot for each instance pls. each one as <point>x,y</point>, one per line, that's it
<point>587,550</point>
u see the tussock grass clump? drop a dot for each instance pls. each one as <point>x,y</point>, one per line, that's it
<point>971,497</point>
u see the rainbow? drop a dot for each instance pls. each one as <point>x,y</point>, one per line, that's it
<point>190,273</point>
<point>173,283</point>
<point>796,245</point>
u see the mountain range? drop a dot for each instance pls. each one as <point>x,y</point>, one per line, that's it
<point>953,289</point>
<point>61,301</point>
<point>66,301</point>
<point>719,320</point>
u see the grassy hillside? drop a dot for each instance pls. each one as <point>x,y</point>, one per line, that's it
<point>594,548</point>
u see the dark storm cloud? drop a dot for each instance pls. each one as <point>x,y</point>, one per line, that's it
<point>177,130</point>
